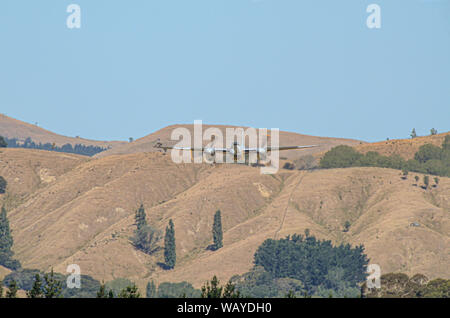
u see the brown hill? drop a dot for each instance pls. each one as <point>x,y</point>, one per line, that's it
<point>85,215</point>
<point>147,143</point>
<point>13,128</point>
<point>405,148</point>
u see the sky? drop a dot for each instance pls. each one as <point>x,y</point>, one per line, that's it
<point>312,66</point>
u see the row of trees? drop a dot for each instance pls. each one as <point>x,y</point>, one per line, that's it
<point>429,159</point>
<point>68,148</point>
<point>433,132</point>
<point>147,238</point>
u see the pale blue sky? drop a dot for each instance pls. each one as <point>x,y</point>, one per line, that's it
<point>311,67</point>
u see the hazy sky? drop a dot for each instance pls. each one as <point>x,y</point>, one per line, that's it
<point>312,67</point>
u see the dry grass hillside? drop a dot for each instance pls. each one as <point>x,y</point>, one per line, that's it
<point>13,128</point>
<point>84,213</point>
<point>405,148</point>
<point>147,143</point>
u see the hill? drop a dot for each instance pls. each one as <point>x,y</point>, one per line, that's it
<point>13,128</point>
<point>147,143</point>
<point>405,148</point>
<point>85,214</point>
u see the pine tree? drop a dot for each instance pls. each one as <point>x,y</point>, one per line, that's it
<point>3,185</point>
<point>36,290</point>
<point>151,290</point>
<point>6,243</point>
<point>111,294</point>
<point>102,291</point>
<point>12,290</point>
<point>52,287</point>
<point>212,289</point>
<point>413,133</point>
<point>230,291</point>
<point>130,292</point>
<point>170,256</point>
<point>145,238</point>
<point>3,143</point>
<point>426,181</point>
<point>140,218</point>
<point>217,231</point>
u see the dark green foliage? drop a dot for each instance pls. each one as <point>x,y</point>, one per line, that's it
<point>433,132</point>
<point>26,278</point>
<point>118,284</point>
<point>214,290</point>
<point>340,157</point>
<point>6,243</point>
<point>413,133</point>
<point>151,290</point>
<point>1,289</point>
<point>3,185</point>
<point>146,238</point>
<point>217,231</point>
<point>52,286</point>
<point>313,262</point>
<point>37,290</point>
<point>399,285</point>
<point>177,290</point>
<point>103,293</point>
<point>170,255</point>
<point>3,143</point>
<point>258,283</point>
<point>68,148</point>
<point>428,152</point>
<point>428,159</point>
<point>130,292</point>
<point>426,181</point>
<point>12,290</point>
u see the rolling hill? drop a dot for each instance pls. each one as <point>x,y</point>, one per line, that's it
<point>13,128</point>
<point>147,143</point>
<point>68,209</point>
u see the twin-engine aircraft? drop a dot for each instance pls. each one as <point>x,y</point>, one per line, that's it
<point>236,151</point>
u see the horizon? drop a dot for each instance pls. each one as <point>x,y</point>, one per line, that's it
<point>313,68</point>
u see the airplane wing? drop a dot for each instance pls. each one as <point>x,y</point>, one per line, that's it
<point>290,147</point>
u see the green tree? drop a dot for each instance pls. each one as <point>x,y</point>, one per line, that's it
<point>52,286</point>
<point>416,178</point>
<point>3,185</point>
<point>12,290</point>
<point>146,238</point>
<point>217,231</point>
<point>413,133</point>
<point>102,291</point>
<point>170,255</point>
<point>130,292</point>
<point>36,290</point>
<point>405,173</point>
<point>3,143</point>
<point>6,243</point>
<point>426,181</point>
<point>212,289</point>
<point>340,157</point>
<point>1,289</point>
<point>230,291</point>
<point>433,131</point>
<point>436,181</point>
<point>151,290</point>
<point>428,152</point>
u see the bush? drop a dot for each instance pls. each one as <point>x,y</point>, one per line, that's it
<point>177,290</point>
<point>313,262</point>
<point>3,143</point>
<point>428,152</point>
<point>340,157</point>
<point>3,185</point>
